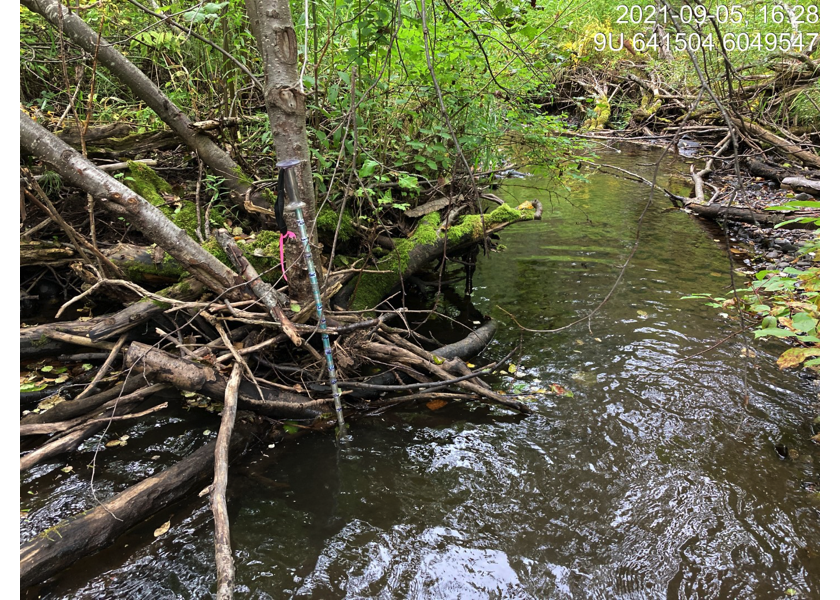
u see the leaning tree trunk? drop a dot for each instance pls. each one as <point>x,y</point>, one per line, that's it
<point>142,87</point>
<point>272,24</point>
<point>81,173</point>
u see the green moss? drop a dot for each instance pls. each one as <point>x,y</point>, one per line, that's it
<point>141,272</point>
<point>374,286</point>
<point>470,225</point>
<point>41,341</point>
<point>241,177</point>
<point>327,221</point>
<point>213,247</point>
<point>144,181</point>
<point>161,304</point>
<point>267,241</point>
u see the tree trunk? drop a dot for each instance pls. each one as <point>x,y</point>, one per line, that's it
<point>272,24</point>
<point>78,171</point>
<point>142,87</point>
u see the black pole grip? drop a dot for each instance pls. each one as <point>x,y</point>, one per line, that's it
<point>280,205</point>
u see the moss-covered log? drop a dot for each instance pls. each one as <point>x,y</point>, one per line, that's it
<point>425,244</point>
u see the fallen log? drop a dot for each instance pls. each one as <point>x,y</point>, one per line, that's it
<point>747,215</point>
<point>788,148</point>
<point>59,547</point>
<point>426,243</point>
<point>70,440</point>
<point>118,198</point>
<point>140,312</point>
<point>471,345</point>
<point>157,365</point>
<point>35,341</point>
<point>143,88</point>
<point>802,185</point>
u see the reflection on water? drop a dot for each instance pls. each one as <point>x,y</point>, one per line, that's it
<point>653,480</point>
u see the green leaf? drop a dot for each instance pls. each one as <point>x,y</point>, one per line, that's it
<point>769,322</point>
<point>408,182</point>
<point>368,168</point>
<point>438,360</point>
<point>290,429</point>
<point>796,204</point>
<point>500,11</point>
<point>773,331</point>
<point>294,307</point>
<point>47,368</point>
<point>32,387</point>
<point>803,322</point>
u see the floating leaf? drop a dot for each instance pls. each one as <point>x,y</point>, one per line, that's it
<point>32,387</point>
<point>579,342</point>
<point>557,389</point>
<point>642,314</point>
<point>47,368</point>
<point>290,429</point>
<point>163,529</point>
<point>748,352</point>
<point>114,443</point>
<point>206,432</point>
<point>436,404</point>
<point>67,469</point>
<point>511,368</point>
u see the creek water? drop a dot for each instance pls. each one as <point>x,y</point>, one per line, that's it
<point>653,479</point>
